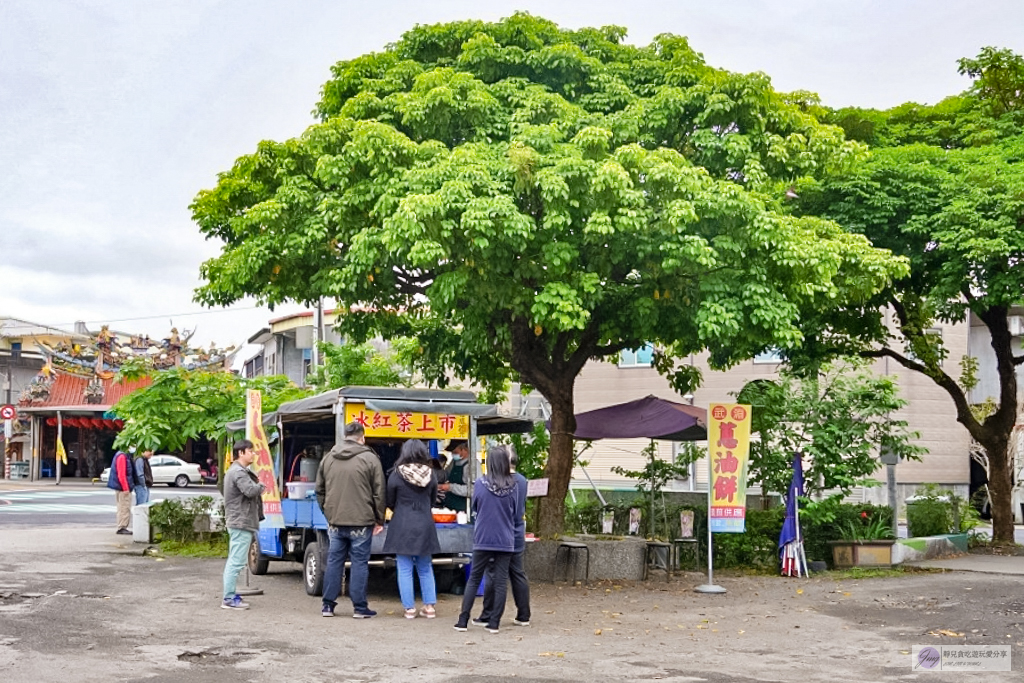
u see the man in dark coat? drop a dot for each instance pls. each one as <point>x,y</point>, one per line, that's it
<point>350,491</point>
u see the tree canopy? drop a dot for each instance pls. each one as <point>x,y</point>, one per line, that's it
<point>186,404</point>
<point>521,198</point>
<point>840,419</point>
<point>954,208</point>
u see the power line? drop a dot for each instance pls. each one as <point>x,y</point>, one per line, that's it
<point>154,317</point>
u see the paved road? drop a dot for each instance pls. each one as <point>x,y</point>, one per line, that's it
<point>88,607</point>
<point>49,505</point>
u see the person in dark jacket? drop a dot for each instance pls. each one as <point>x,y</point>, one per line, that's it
<point>516,572</point>
<point>496,506</point>
<point>122,480</point>
<point>350,491</point>
<point>412,535</point>
<point>143,477</point>
<point>243,510</point>
<point>456,486</point>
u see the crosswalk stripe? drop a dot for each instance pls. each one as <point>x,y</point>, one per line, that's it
<point>32,495</point>
<point>69,508</point>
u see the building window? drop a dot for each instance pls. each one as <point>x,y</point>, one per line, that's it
<point>637,358</point>
<point>769,356</point>
<point>930,332</point>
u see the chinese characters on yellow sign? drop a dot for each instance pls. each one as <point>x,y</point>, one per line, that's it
<point>728,446</point>
<point>408,425</point>
<point>263,464</point>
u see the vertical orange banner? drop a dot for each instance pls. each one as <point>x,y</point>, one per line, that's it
<point>728,446</point>
<point>263,464</point>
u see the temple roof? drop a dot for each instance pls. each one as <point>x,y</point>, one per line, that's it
<point>69,391</point>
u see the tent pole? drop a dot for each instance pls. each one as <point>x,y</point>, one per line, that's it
<point>592,485</point>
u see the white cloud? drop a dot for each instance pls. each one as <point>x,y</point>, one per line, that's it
<point>114,115</point>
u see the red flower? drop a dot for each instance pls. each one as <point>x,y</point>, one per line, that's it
<point>864,515</point>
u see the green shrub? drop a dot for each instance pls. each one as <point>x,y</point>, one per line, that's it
<point>935,511</point>
<point>831,520</point>
<point>175,520</point>
<point>757,547</point>
<point>585,516</point>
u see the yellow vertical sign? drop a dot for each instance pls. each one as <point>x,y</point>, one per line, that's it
<point>728,450</point>
<point>263,464</point>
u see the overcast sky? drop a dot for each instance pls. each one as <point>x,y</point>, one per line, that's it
<point>114,114</point>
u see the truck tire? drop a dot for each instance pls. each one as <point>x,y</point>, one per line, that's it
<point>258,562</point>
<point>313,570</point>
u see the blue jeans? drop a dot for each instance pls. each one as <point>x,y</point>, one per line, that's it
<point>141,495</point>
<point>352,543</point>
<point>425,570</point>
<point>239,541</point>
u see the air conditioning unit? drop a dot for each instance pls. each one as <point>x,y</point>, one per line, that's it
<point>1016,325</point>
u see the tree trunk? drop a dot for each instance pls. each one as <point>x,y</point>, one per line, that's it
<point>560,460</point>
<point>1000,490</point>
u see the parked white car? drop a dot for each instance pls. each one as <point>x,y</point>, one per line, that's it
<point>170,470</point>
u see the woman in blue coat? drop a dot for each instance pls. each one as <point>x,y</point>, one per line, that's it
<point>412,535</point>
<point>497,508</point>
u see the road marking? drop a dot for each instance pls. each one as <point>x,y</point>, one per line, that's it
<point>69,508</point>
<point>33,495</point>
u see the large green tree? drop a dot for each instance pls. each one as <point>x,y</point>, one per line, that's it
<point>840,418</point>
<point>185,404</point>
<point>949,198</point>
<point>522,198</point>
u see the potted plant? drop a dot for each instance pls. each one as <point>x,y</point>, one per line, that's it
<point>867,542</point>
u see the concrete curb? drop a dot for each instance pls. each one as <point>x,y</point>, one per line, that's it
<point>928,547</point>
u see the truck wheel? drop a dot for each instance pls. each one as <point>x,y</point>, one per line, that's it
<point>313,570</point>
<point>258,562</point>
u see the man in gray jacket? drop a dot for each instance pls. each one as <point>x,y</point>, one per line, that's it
<point>350,490</point>
<point>243,509</point>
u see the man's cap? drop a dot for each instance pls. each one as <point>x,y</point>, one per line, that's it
<point>453,444</point>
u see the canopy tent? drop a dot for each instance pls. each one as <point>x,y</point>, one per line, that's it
<point>650,417</point>
<point>323,406</point>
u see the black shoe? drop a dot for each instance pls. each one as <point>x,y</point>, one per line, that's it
<point>521,622</point>
<point>124,532</point>
<point>479,621</point>
<point>461,625</point>
<point>364,614</point>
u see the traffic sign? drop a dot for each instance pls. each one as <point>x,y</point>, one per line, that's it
<point>8,412</point>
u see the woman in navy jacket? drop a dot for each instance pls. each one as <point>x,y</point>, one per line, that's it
<point>496,507</point>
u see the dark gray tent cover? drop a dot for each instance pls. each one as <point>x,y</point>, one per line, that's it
<point>322,406</point>
<point>650,417</point>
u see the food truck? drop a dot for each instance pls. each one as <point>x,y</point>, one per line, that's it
<point>308,428</point>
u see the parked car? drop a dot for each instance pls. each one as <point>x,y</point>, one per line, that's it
<point>170,470</point>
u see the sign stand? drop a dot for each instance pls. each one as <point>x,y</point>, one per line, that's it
<point>710,586</point>
<point>247,590</point>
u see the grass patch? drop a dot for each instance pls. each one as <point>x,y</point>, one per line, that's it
<point>214,546</point>
<point>878,572</point>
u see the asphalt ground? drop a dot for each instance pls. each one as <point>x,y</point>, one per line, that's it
<point>82,604</point>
